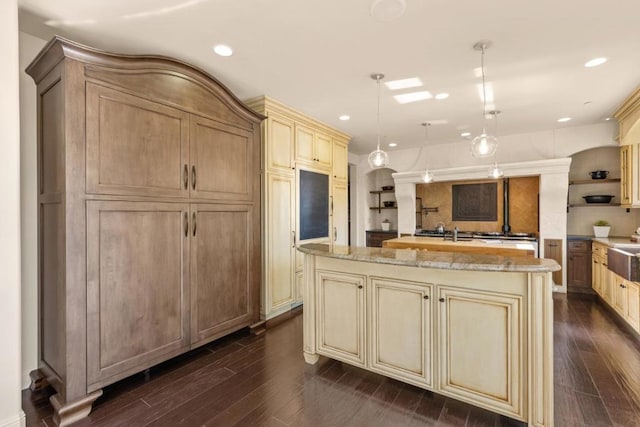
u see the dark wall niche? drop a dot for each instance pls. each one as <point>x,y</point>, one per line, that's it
<point>475,202</point>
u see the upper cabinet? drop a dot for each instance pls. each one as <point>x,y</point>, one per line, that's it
<point>312,147</point>
<point>340,160</point>
<point>628,116</point>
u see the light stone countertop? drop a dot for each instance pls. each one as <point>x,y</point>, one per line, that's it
<point>617,242</point>
<point>432,259</point>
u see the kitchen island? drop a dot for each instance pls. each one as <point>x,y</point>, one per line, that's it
<point>475,327</point>
<point>464,245</point>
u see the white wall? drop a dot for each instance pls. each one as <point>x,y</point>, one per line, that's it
<point>29,48</point>
<point>10,401</point>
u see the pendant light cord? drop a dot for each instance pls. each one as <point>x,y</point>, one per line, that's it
<point>484,93</point>
<point>378,113</point>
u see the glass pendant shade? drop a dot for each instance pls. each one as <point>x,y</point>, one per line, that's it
<point>484,145</point>
<point>378,158</point>
<point>427,177</point>
<point>495,171</point>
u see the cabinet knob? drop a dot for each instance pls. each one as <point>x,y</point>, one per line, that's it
<point>441,300</point>
<point>426,297</point>
<point>359,286</point>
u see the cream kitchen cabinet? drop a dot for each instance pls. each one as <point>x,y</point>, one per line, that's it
<point>341,316</point>
<point>313,147</point>
<point>481,351</point>
<point>340,161</point>
<point>401,330</point>
<point>628,117</point>
<point>293,142</point>
<point>633,305</point>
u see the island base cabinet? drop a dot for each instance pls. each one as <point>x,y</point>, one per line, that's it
<point>480,350</point>
<point>401,330</point>
<point>341,316</point>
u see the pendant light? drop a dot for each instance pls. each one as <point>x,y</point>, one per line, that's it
<point>378,158</point>
<point>427,177</point>
<point>495,171</point>
<point>483,145</point>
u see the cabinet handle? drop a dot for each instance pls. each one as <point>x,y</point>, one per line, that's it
<point>426,297</point>
<point>552,245</point>
<point>193,177</point>
<point>293,238</point>
<point>193,220</point>
<point>606,265</point>
<point>359,286</point>
<point>186,176</point>
<point>335,234</point>
<point>622,286</point>
<point>441,300</point>
<point>186,224</point>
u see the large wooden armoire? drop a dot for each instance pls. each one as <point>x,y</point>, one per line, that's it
<point>148,216</point>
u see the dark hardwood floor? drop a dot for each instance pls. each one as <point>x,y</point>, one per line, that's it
<point>246,380</point>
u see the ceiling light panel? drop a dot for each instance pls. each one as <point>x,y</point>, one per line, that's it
<point>393,144</point>
<point>223,50</point>
<point>406,98</point>
<point>564,119</point>
<point>344,117</point>
<point>404,83</point>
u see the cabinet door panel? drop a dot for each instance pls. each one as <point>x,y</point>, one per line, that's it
<point>222,273</point>
<point>401,330</point>
<point>340,214</point>
<point>340,161</point>
<point>633,298</point>
<point>137,293</point>
<point>280,147</point>
<point>134,146</point>
<point>341,316</point>
<point>481,356</point>
<point>280,250</point>
<point>323,150</point>
<point>304,145</point>
<point>223,160</point>
<point>619,293</point>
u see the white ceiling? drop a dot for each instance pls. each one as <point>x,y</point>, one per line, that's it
<point>317,56</point>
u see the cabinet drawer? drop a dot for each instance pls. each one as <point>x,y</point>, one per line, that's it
<point>578,246</point>
<point>374,239</point>
<point>599,249</point>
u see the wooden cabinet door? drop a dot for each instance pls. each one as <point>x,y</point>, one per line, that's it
<point>400,333</point>
<point>223,161</point>
<point>340,163</point>
<point>279,242</point>
<point>619,293</point>
<point>280,144</point>
<point>626,174</point>
<point>304,145</point>
<point>596,281</point>
<point>340,315</point>
<point>137,286</point>
<point>608,284</point>
<point>579,271</point>
<point>135,146</point>
<point>633,300</point>
<point>322,150</point>
<point>225,268</point>
<point>553,250</point>
<point>340,213</point>
<point>480,350</point>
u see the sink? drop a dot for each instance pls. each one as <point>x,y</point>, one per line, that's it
<point>625,262</point>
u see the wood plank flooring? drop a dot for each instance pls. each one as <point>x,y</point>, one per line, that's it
<point>243,380</point>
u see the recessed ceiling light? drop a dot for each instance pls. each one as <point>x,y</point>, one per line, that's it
<point>564,119</point>
<point>344,117</point>
<point>393,144</point>
<point>465,134</point>
<point>595,62</point>
<point>607,118</point>
<point>405,98</point>
<point>223,50</point>
<point>404,83</point>
<point>442,96</point>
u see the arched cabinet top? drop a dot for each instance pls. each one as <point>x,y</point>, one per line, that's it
<point>167,80</point>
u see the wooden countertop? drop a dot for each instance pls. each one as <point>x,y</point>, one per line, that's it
<point>473,246</point>
<point>433,259</point>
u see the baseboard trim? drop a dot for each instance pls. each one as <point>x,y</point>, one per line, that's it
<point>19,420</point>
